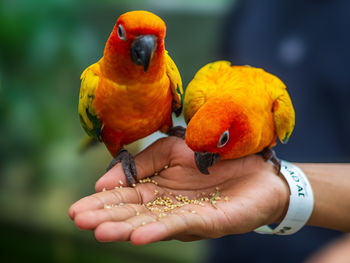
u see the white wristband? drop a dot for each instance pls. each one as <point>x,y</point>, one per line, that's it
<point>301,202</point>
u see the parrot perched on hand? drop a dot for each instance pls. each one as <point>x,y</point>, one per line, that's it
<point>234,111</point>
<point>132,90</point>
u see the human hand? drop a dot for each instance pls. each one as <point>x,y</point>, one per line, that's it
<point>254,195</point>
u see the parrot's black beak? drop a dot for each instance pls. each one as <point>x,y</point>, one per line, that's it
<point>204,160</point>
<point>142,50</point>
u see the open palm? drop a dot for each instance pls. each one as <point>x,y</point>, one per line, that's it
<point>251,195</point>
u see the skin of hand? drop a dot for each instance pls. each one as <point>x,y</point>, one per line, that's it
<point>337,251</point>
<point>256,196</point>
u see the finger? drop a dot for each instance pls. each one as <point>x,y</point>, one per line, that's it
<point>92,218</point>
<point>113,231</point>
<point>99,200</point>
<point>153,159</point>
<point>170,226</point>
<point>115,177</point>
<point>121,231</point>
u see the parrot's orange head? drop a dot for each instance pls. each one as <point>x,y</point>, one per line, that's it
<point>137,37</point>
<point>214,130</point>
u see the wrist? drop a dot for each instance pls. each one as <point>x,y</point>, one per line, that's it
<point>283,200</point>
<point>301,202</point>
<point>279,192</point>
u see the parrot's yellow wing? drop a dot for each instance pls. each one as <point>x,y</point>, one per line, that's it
<point>175,84</point>
<point>284,116</point>
<point>87,113</point>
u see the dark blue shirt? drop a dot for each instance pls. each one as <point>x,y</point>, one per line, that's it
<point>307,45</point>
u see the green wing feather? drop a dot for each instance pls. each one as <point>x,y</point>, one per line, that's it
<point>87,113</point>
<point>175,84</point>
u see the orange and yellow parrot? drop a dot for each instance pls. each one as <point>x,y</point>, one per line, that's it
<point>234,111</point>
<point>133,89</point>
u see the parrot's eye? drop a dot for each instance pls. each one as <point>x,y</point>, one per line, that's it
<point>223,139</point>
<point>121,32</point>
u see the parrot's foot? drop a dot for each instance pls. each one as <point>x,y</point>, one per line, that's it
<point>128,165</point>
<point>269,155</point>
<point>177,131</point>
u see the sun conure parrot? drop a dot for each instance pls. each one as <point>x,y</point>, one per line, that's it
<point>234,111</point>
<point>133,89</point>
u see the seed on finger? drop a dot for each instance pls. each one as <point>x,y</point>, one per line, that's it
<point>154,182</point>
<point>147,180</point>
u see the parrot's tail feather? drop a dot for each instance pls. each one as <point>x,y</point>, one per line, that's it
<point>87,143</point>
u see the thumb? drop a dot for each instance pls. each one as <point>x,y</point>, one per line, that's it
<point>149,161</point>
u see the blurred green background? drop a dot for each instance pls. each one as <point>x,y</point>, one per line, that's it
<point>44,47</point>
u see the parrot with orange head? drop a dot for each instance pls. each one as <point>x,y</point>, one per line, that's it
<point>235,111</point>
<point>132,90</point>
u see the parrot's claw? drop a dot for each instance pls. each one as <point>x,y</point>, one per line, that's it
<point>128,165</point>
<point>270,155</point>
<point>177,131</point>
